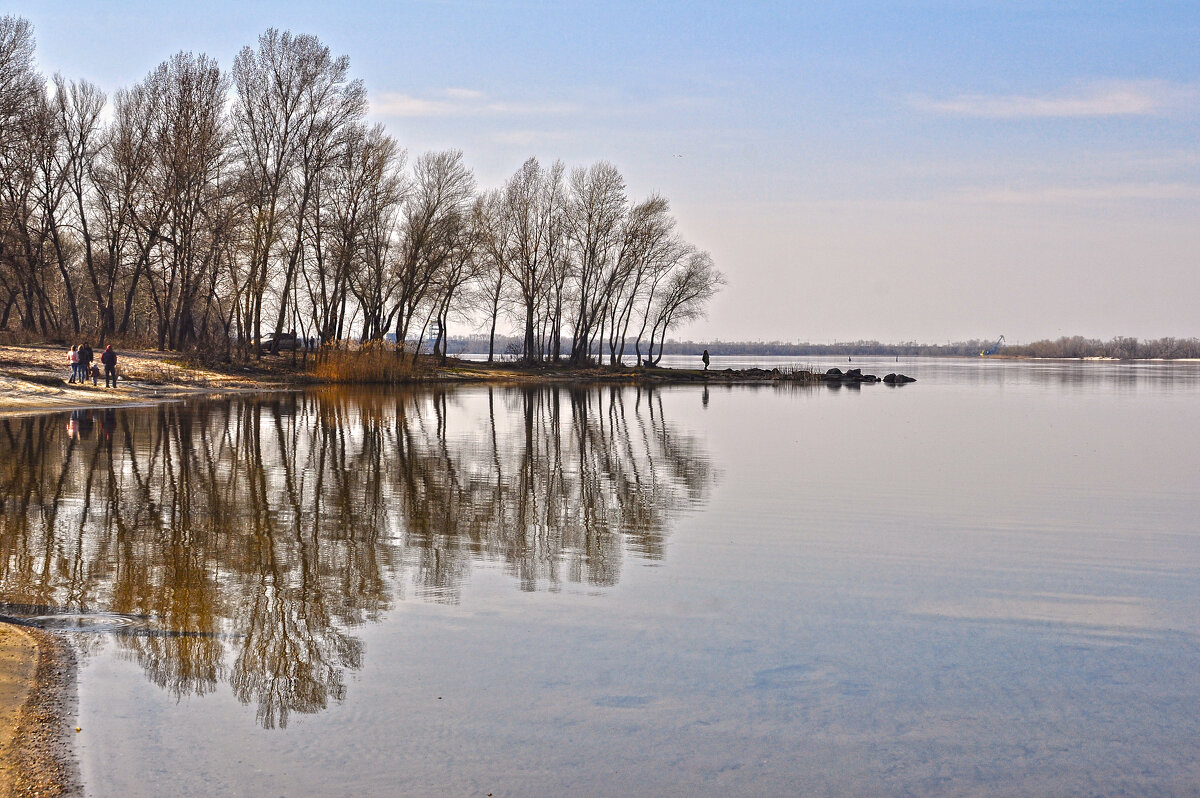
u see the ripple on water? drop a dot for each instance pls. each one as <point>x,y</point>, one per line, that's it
<point>87,622</point>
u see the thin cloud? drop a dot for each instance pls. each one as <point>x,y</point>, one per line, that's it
<point>1120,98</point>
<point>1115,192</point>
<point>530,138</point>
<point>391,104</point>
<point>464,94</point>
<point>459,102</point>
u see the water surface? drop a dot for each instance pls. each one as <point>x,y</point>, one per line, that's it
<point>983,582</point>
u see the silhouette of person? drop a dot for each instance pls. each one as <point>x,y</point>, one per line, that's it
<point>704,357</point>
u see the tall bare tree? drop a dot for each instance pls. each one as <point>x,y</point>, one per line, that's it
<point>293,99</point>
<point>595,210</point>
<point>434,216</point>
<point>685,297</point>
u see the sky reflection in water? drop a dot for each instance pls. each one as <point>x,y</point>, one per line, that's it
<point>987,581</point>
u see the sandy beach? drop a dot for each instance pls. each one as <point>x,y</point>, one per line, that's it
<point>34,378</point>
<point>37,713</point>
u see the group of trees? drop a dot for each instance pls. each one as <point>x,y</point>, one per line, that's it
<point>202,208</point>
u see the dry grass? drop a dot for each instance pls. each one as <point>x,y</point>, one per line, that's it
<point>373,363</point>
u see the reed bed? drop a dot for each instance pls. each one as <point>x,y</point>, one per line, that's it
<point>372,363</point>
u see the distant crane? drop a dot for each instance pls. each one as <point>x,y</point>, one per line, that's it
<point>993,349</point>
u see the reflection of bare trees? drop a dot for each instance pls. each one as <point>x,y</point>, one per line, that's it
<point>261,532</point>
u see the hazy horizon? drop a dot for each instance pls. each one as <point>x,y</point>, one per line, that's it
<point>926,171</point>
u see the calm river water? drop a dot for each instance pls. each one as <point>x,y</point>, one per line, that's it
<point>984,582</point>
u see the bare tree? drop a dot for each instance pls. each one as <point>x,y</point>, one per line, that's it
<point>648,249</point>
<point>77,108</point>
<point>533,204</point>
<point>368,243</point>
<point>492,226</point>
<point>359,192</point>
<point>433,216</point>
<point>189,135</point>
<point>293,99</point>
<point>29,186</point>
<point>597,205</point>
<point>687,292</point>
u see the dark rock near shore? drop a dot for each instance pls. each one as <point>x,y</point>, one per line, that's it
<point>836,376</point>
<point>898,379</point>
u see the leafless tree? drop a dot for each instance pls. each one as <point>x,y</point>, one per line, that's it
<point>685,297</point>
<point>492,225</point>
<point>596,207</point>
<point>648,249</point>
<point>533,206</point>
<point>293,99</point>
<point>434,216</point>
<point>187,97</point>
<point>76,108</point>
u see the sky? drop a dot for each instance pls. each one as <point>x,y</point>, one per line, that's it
<point>899,171</point>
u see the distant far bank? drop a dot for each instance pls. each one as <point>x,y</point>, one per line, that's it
<point>1120,348</point>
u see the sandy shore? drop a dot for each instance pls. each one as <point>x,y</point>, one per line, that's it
<point>34,378</point>
<point>37,713</point>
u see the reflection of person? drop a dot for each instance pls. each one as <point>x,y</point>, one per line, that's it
<point>109,359</point>
<point>82,421</point>
<point>704,357</point>
<point>108,422</point>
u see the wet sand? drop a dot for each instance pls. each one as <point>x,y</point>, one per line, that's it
<point>37,713</point>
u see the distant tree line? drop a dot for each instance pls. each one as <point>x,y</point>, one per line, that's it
<point>208,208</point>
<point>1066,347</point>
<point>1121,347</point>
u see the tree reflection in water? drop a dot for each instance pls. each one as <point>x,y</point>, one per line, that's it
<point>262,531</point>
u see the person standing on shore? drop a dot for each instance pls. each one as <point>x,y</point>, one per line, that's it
<point>109,359</point>
<point>704,357</point>
<point>85,361</point>
<point>73,361</point>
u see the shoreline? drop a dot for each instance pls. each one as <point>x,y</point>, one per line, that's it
<point>32,378</point>
<point>38,704</point>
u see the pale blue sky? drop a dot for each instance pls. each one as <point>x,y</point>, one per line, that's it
<point>899,171</point>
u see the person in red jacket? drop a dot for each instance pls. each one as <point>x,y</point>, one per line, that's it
<point>109,359</point>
